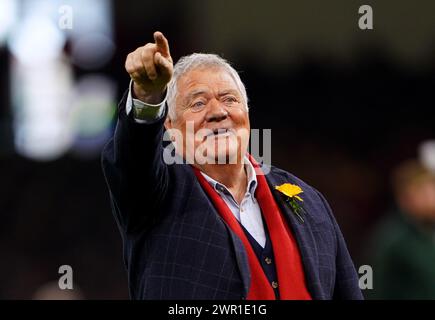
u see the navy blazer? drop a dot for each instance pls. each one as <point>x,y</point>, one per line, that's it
<point>176,245</point>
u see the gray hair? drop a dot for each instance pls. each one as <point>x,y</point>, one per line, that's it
<point>196,61</point>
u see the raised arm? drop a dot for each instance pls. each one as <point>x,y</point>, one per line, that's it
<point>132,160</point>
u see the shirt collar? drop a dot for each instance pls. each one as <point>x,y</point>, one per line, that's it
<point>250,187</point>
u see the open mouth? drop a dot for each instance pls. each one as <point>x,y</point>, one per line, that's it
<point>219,133</point>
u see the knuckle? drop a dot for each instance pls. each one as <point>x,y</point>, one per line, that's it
<point>139,68</point>
<point>128,67</point>
<point>128,59</point>
<point>146,54</point>
<point>149,46</point>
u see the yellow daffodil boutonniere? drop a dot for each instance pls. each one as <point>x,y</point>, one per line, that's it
<point>291,193</point>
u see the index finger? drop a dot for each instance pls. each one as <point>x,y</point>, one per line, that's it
<point>162,44</point>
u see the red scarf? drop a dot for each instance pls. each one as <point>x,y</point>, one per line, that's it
<point>290,272</point>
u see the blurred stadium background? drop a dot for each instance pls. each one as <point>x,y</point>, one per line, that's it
<point>345,107</point>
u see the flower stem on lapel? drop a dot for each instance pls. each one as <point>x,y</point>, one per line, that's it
<point>297,208</point>
<point>291,193</point>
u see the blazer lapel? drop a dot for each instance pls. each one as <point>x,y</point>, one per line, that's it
<point>303,235</point>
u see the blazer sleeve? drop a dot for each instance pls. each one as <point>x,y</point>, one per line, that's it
<point>133,167</point>
<point>346,278</point>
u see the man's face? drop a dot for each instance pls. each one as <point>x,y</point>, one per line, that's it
<point>211,116</point>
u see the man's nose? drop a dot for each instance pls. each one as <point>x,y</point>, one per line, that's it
<point>216,111</point>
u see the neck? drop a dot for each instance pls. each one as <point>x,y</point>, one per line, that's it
<point>233,176</point>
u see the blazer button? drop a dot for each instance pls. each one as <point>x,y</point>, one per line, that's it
<point>268,260</point>
<point>274,284</point>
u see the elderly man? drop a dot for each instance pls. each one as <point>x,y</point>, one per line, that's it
<point>213,226</point>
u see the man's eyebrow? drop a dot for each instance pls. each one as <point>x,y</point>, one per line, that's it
<point>228,91</point>
<point>193,94</point>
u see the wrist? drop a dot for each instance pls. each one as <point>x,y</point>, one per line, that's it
<point>154,97</point>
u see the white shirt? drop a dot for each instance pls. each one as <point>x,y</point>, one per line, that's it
<point>248,213</point>
<point>144,112</point>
